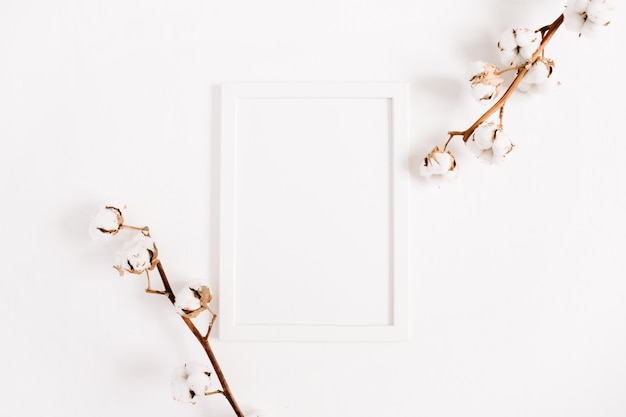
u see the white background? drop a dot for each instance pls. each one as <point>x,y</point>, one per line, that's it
<point>517,283</point>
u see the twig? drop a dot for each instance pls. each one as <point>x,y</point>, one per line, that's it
<point>213,318</point>
<point>547,33</point>
<point>145,230</point>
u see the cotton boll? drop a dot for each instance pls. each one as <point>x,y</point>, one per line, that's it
<point>587,17</point>
<point>471,146</point>
<point>524,37</point>
<point>501,145</point>
<point>441,163</point>
<point>525,87</point>
<point>538,73</point>
<point>573,21</point>
<point>485,82</point>
<point>526,52</point>
<point>191,381</point>
<point>474,68</point>
<point>438,163</point>
<point>481,141</point>
<point>107,219</point>
<point>137,255</point>
<point>577,6</point>
<point>539,78</point>
<point>179,372</point>
<point>181,392</point>
<point>439,166</point>
<point>509,49</point>
<point>483,136</point>
<point>192,300</point>
<point>483,155</point>
<point>487,157</point>
<point>489,144</point>
<point>198,377</point>
<point>199,382</point>
<point>517,46</point>
<point>196,367</point>
<point>187,300</point>
<point>484,93</point>
<point>105,223</point>
<point>590,29</point>
<point>599,11</point>
<point>425,169</point>
<point>545,87</point>
<point>510,57</point>
<point>528,41</point>
<point>507,40</point>
<point>139,260</point>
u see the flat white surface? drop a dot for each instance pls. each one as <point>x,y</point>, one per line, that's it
<point>516,271</point>
<point>314,211</point>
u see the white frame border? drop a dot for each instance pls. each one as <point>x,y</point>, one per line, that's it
<point>398,329</point>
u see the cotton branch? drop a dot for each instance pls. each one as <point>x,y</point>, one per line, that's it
<point>547,32</point>
<point>139,255</point>
<point>522,50</point>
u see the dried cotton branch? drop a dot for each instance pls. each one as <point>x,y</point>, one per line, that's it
<point>521,50</point>
<point>139,256</point>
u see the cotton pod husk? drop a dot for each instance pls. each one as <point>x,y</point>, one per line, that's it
<point>137,255</point>
<point>437,163</point>
<point>485,82</point>
<point>193,299</point>
<point>106,222</point>
<point>439,167</point>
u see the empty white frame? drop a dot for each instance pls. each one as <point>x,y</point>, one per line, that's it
<point>313,212</point>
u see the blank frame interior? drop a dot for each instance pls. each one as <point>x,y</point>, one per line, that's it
<point>313,212</point>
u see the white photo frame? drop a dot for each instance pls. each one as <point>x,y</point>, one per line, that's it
<point>313,212</point>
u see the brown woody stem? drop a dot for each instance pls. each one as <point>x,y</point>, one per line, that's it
<point>204,341</point>
<point>547,33</point>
